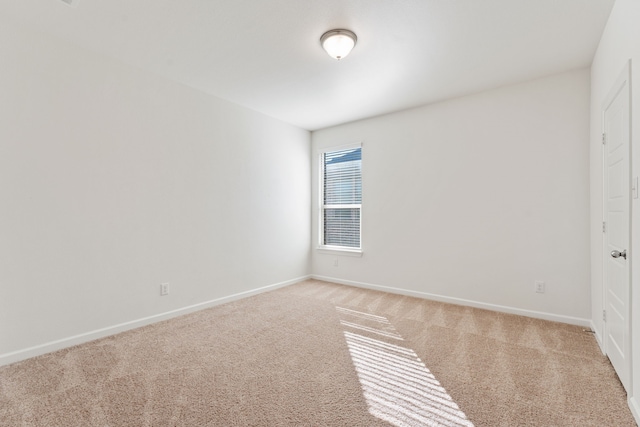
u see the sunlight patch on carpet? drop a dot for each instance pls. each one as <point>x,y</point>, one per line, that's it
<point>398,387</point>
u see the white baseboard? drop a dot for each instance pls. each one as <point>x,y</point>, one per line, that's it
<point>598,336</point>
<point>459,301</point>
<point>634,405</point>
<point>16,356</point>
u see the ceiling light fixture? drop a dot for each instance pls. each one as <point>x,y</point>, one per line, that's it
<point>338,43</point>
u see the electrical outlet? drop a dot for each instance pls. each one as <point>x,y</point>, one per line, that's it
<point>164,289</point>
<point>539,286</point>
<point>72,3</point>
<point>335,262</point>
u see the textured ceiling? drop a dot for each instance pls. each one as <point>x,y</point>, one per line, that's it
<point>266,55</point>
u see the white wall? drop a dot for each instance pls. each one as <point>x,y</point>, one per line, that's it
<point>620,42</point>
<point>113,180</point>
<point>476,198</point>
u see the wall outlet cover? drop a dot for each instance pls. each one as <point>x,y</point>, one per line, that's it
<point>164,289</point>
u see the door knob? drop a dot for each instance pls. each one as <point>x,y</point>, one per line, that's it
<point>618,254</point>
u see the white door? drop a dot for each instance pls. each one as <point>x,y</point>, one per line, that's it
<point>617,256</point>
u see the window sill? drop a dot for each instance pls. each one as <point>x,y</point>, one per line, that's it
<point>339,251</point>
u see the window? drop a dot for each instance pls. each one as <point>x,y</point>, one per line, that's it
<point>341,198</point>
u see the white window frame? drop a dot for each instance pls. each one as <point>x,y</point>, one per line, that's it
<point>343,250</point>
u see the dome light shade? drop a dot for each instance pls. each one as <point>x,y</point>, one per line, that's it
<point>338,43</point>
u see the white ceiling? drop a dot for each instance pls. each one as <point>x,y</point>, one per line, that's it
<point>266,54</point>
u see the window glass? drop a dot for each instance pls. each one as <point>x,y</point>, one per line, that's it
<point>341,197</point>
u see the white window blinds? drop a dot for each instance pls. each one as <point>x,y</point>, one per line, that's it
<point>341,197</point>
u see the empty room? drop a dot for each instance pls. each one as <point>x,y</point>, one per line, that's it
<point>319,213</point>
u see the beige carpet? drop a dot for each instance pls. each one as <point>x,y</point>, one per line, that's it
<point>320,354</point>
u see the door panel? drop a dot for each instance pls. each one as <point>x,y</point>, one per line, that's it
<point>617,217</point>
